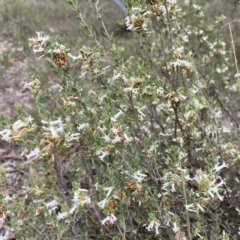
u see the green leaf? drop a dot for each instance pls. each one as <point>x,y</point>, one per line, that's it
<point>70,2</point>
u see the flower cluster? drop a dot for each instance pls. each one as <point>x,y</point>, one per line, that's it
<point>39,44</point>
<point>57,54</point>
<point>18,129</point>
<point>138,20</point>
<point>34,86</point>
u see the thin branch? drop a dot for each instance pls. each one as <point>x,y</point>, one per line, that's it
<point>185,200</point>
<point>234,54</point>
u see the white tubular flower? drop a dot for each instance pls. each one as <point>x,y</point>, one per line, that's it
<point>44,122</point>
<point>159,195</point>
<point>61,216</point>
<point>150,226</point>
<point>116,139</point>
<point>42,37</point>
<point>238,210</point>
<point>19,124</point>
<point>52,204</point>
<point>173,188</point>
<point>96,185</point>
<point>81,198</point>
<point>95,70</point>
<point>153,225</point>
<point>74,136</point>
<point>73,208</point>
<point>156,228</point>
<point>127,139</point>
<point>165,186</point>
<point>139,177</point>
<point>102,154</point>
<point>115,130</point>
<point>30,119</point>
<point>75,57</point>
<point>5,134</point>
<point>140,111</point>
<point>116,76</point>
<point>179,63</point>
<point>175,228</point>
<point>200,207</point>
<point>115,117</point>
<point>222,182</point>
<point>191,207</point>
<point>109,189</point>
<point>106,138</point>
<point>33,153</point>
<point>102,203</point>
<point>213,190</point>
<point>109,220</point>
<point>188,178</point>
<point>130,89</point>
<point>82,126</point>
<point>217,168</point>
<point>38,50</point>
<point>85,200</point>
<point>219,196</point>
<point>7,199</point>
<point>54,132</point>
<point>56,122</point>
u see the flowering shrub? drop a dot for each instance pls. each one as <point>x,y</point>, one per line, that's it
<point>149,151</point>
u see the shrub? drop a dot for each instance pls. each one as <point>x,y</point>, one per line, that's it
<point>149,151</point>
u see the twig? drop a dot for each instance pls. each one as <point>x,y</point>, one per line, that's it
<point>40,233</point>
<point>234,54</point>
<point>225,110</point>
<point>185,200</point>
<point>61,182</point>
<point>11,156</point>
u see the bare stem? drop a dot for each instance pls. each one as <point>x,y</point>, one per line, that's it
<point>234,54</point>
<point>185,200</point>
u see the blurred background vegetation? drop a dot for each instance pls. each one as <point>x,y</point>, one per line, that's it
<point>20,19</point>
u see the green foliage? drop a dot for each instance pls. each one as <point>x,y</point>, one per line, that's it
<point>137,147</point>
